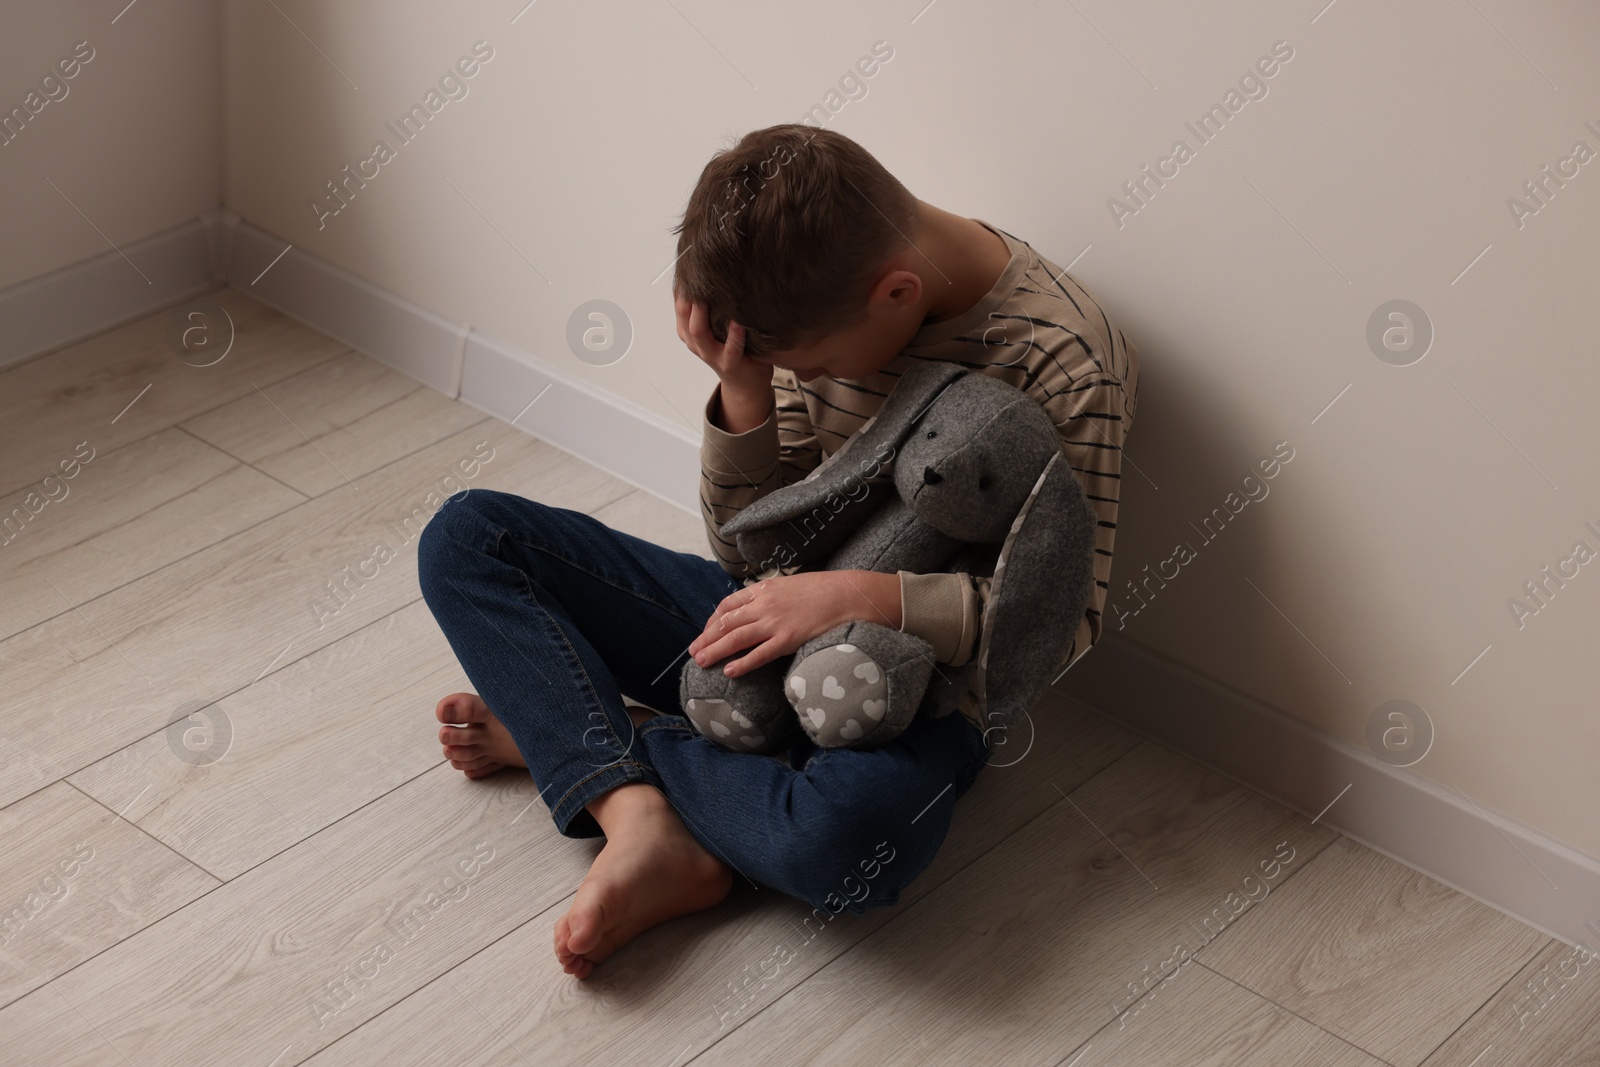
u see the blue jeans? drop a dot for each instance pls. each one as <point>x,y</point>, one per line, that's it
<point>555,616</point>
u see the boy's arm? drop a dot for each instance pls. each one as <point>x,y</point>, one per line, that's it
<point>737,469</point>
<point>946,610</point>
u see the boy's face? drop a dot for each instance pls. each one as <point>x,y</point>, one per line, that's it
<point>842,354</point>
<point>866,346</point>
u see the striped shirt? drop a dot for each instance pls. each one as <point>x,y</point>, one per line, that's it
<point>1038,330</point>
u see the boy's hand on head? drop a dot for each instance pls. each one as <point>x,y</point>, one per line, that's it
<point>774,617</point>
<point>736,371</point>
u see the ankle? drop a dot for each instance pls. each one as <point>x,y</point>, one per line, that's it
<point>628,803</point>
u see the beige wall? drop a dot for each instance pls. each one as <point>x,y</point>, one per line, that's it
<point>1379,165</point>
<point>132,138</point>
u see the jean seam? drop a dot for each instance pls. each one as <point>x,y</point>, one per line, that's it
<point>587,681</point>
<point>649,774</point>
<point>651,724</point>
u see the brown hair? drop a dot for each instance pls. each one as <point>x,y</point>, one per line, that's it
<point>784,233</point>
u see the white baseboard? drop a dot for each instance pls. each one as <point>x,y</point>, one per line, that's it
<point>411,339</point>
<point>628,441</point>
<point>1391,809</point>
<point>613,434</point>
<point>67,305</point>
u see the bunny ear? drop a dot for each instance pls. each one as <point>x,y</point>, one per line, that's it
<point>835,494</point>
<point>1039,591</point>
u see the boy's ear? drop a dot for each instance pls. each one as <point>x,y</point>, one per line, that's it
<point>1039,591</point>
<point>801,520</point>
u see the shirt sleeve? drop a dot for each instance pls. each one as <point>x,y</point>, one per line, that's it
<point>944,610</point>
<point>737,469</point>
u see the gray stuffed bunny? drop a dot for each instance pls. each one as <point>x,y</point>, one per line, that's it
<point>979,484</point>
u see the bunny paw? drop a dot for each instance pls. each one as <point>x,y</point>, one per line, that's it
<point>841,694</point>
<point>745,714</point>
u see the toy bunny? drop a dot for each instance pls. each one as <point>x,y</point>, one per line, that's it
<point>980,484</point>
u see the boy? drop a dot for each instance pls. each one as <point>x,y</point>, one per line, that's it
<point>808,279</point>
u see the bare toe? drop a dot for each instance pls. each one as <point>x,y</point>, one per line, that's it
<point>474,740</point>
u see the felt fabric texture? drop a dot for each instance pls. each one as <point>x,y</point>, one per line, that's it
<point>956,471</point>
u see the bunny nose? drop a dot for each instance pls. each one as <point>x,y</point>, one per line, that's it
<point>931,476</point>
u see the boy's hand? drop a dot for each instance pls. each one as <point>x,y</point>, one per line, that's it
<point>778,615</point>
<point>737,372</point>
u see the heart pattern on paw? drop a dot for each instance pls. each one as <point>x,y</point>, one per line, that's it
<point>839,690</point>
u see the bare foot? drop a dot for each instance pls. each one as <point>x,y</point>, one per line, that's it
<point>650,870</point>
<point>481,746</point>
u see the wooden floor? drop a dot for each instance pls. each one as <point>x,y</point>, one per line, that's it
<point>265,883</point>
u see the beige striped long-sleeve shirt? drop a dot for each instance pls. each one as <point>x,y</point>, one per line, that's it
<point>1036,329</point>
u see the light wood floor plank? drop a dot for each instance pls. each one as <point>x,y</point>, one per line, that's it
<point>49,405</point>
<point>680,987</point>
<point>305,947</point>
<point>294,752</point>
<point>77,879</point>
<point>118,668</point>
<point>1194,1018</point>
<point>125,514</point>
<point>1548,1013</point>
<point>342,418</point>
<point>646,515</point>
<point>1022,957</point>
<point>1370,950</point>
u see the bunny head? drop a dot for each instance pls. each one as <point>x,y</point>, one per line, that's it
<point>969,461</point>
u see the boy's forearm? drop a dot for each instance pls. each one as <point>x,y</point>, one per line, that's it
<point>741,410</point>
<point>873,596</point>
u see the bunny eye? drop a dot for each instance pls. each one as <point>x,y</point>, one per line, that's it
<point>932,433</point>
<point>983,483</point>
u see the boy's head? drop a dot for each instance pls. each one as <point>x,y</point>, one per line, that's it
<point>789,233</point>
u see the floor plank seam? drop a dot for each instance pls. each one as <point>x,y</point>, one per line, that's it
<point>162,844</point>
<point>187,418</point>
<point>1473,1014</point>
<point>444,975</point>
<point>221,884</point>
<point>180,427</point>
<point>242,530</point>
<point>280,667</point>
